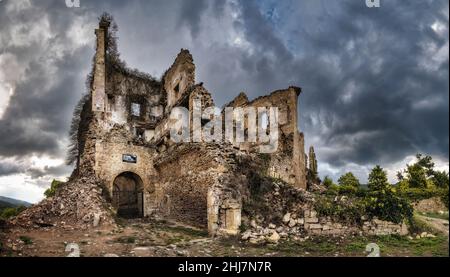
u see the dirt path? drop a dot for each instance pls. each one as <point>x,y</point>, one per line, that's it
<point>440,225</point>
<point>165,239</point>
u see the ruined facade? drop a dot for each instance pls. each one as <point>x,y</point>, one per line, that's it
<point>124,139</point>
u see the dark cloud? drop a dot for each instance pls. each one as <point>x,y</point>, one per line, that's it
<point>375,81</point>
<point>7,168</point>
<point>368,91</point>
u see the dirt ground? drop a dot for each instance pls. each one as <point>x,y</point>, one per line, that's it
<point>142,238</point>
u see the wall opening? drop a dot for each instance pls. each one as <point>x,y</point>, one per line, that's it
<point>177,89</point>
<point>128,195</point>
<point>136,109</point>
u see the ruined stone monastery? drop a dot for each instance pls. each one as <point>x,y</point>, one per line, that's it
<point>124,140</point>
<point>127,164</point>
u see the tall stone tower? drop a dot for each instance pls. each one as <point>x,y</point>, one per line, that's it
<point>99,85</point>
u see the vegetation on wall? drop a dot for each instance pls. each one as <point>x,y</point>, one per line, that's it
<point>348,201</point>
<point>53,188</point>
<point>381,199</point>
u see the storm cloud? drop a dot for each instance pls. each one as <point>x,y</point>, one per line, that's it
<point>375,81</point>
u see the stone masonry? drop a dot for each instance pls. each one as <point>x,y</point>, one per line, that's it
<point>127,165</point>
<point>124,140</point>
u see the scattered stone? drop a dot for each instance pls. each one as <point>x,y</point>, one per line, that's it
<point>96,220</point>
<point>111,256</point>
<point>246,235</point>
<point>274,238</point>
<point>287,218</point>
<point>292,223</point>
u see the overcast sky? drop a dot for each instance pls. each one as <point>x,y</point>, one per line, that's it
<point>375,80</point>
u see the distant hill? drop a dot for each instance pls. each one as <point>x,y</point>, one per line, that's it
<point>6,202</point>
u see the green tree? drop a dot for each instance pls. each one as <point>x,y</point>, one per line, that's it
<point>383,201</point>
<point>348,183</point>
<point>426,162</point>
<point>328,182</point>
<point>416,176</point>
<point>313,163</point>
<point>378,179</point>
<point>440,179</point>
<point>349,180</point>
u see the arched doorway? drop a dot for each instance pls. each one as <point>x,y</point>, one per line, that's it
<point>128,197</point>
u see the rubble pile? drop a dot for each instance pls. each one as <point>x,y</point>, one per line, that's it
<point>77,204</point>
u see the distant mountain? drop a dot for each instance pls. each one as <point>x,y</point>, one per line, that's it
<point>10,202</point>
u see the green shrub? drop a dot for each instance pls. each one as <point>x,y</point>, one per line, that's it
<point>53,188</point>
<point>444,197</point>
<point>417,194</point>
<point>328,182</point>
<point>11,212</point>
<point>349,210</point>
<point>389,206</point>
<point>345,190</point>
<point>384,201</point>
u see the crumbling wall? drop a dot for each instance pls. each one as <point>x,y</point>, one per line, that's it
<point>288,162</point>
<point>185,175</point>
<point>124,89</point>
<point>179,78</point>
<point>285,212</point>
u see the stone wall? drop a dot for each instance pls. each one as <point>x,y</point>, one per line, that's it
<point>284,212</point>
<point>184,175</point>
<point>299,226</point>
<point>109,164</point>
<point>288,162</point>
<point>179,78</point>
<point>432,205</point>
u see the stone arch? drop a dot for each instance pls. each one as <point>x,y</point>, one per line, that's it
<point>128,195</point>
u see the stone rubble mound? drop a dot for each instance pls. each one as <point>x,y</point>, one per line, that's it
<point>77,204</point>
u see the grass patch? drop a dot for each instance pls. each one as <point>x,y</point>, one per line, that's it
<point>390,246</point>
<point>174,240</point>
<point>26,240</point>
<point>418,247</point>
<point>395,245</point>
<point>418,226</point>
<point>436,215</point>
<point>127,240</point>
